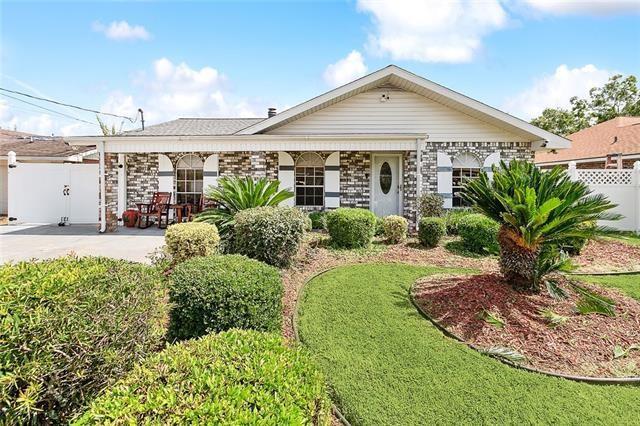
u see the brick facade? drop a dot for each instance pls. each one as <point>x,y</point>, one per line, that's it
<point>355,172</point>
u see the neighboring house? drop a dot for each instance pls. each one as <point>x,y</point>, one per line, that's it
<point>30,148</point>
<point>376,143</point>
<point>613,144</point>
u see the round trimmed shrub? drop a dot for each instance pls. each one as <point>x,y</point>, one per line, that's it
<point>430,205</point>
<point>318,220</point>
<point>453,218</point>
<point>217,293</point>
<point>395,228</point>
<point>70,327</point>
<point>269,234</point>
<point>379,227</point>
<point>191,239</point>
<point>431,230</point>
<point>235,377</point>
<point>351,228</point>
<point>479,233</point>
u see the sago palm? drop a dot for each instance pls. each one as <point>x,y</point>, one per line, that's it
<point>539,212</point>
<point>240,193</point>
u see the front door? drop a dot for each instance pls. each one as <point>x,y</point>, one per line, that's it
<point>386,178</point>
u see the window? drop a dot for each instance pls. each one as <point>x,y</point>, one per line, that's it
<point>465,167</point>
<point>189,179</point>
<point>310,180</point>
<point>386,177</point>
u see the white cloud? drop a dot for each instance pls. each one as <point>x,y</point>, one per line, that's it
<point>122,30</point>
<point>555,90</point>
<point>432,30</point>
<point>345,70</point>
<point>591,7</point>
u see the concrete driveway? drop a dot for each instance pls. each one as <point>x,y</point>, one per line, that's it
<point>24,242</point>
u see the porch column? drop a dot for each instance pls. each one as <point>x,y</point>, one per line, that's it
<point>332,181</point>
<point>445,178</point>
<point>286,175</point>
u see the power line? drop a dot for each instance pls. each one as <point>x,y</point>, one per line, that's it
<point>50,110</point>
<point>132,120</point>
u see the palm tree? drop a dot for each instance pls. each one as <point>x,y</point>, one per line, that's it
<point>240,193</point>
<point>539,212</point>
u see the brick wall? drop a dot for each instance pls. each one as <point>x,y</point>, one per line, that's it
<point>142,178</point>
<point>111,191</point>
<point>355,168</point>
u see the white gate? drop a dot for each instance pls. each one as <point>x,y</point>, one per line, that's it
<point>49,193</point>
<point>621,186</point>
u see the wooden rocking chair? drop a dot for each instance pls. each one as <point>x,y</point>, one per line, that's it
<point>158,207</point>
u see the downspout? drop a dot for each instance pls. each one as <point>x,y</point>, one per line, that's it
<point>103,197</point>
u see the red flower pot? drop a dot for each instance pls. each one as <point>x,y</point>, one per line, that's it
<point>130,217</point>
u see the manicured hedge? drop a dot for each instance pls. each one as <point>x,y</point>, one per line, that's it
<point>217,293</point>
<point>70,327</point>
<point>431,230</point>
<point>395,228</point>
<point>351,228</point>
<point>191,239</point>
<point>479,233</point>
<point>235,377</point>
<point>430,205</point>
<point>453,217</point>
<point>270,234</point>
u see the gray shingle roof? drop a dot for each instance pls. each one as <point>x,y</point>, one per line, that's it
<point>30,145</point>
<point>196,127</point>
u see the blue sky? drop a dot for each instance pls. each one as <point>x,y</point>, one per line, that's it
<point>177,59</point>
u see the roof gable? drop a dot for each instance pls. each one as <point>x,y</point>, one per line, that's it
<point>398,77</point>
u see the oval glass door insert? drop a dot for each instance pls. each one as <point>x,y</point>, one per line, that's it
<point>385,177</point>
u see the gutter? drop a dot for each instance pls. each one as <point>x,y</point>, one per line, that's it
<point>103,207</point>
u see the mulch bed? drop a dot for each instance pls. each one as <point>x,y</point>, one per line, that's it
<point>608,256</point>
<point>583,345</point>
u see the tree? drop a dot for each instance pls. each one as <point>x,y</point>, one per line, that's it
<point>538,212</point>
<point>618,97</point>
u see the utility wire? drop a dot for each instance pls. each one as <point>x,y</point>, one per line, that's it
<point>132,120</point>
<point>50,110</point>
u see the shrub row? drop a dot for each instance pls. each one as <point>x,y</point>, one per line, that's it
<point>71,326</point>
<point>236,377</point>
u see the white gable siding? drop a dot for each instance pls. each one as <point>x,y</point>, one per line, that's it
<point>404,112</point>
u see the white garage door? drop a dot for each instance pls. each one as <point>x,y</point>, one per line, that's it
<point>48,193</point>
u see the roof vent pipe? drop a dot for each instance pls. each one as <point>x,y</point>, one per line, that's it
<point>271,112</point>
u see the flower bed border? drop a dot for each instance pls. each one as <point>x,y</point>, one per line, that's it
<point>584,379</point>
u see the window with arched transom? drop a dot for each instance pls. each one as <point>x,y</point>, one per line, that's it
<point>189,179</point>
<point>466,166</point>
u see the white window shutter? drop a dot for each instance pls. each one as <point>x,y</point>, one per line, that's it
<point>165,174</point>
<point>445,178</point>
<point>286,175</point>
<point>332,181</point>
<point>210,172</point>
<point>492,159</point>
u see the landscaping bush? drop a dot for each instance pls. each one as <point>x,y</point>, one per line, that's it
<point>395,228</point>
<point>351,228</point>
<point>318,220</point>
<point>191,239</point>
<point>479,233</point>
<point>573,245</point>
<point>453,217</point>
<point>379,231</point>
<point>71,326</point>
<point>308,224</point>
<point>269,234</point>
<point>217,293</point>
<point>235,377</point>
<point>430,205</point>
<point>431,230</point>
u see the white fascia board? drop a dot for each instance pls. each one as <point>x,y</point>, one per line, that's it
<point>552,141</point>
<point>585,160</point>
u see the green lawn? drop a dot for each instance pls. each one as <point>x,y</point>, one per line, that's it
<point>628,283</point>
<point>626,237</point>
<point>389,365</point>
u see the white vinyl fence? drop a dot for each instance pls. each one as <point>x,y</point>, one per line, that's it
<point>621,186</point>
